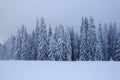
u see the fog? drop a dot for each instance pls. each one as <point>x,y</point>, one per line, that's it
<point>14,13</point>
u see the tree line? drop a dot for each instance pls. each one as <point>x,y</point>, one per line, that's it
<point>64,44</point>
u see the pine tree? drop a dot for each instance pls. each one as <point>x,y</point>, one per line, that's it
<point>117,53</point>
<point>92,41</point>
<point>11,47</point>
<point>112,41</point>
<point>53,46</point>
<point>49,34</point>
<point>21,43</point>
<point>24,45</point>
<point>77,47</point>
<point>105,43</point>
<point>88,40</point>
<point>52,49</point>
<point>62,53</point>
<point>32,52</point>
<point>116,45</point>
<point>43,44</point>
<point>72,38</point>
<point>100,44</point>
<point>50,43</point>
<point>68,43</point>
<point>18,45</point>
<point>37,34</point>
<point>83,38</point>
<point>60,48</point>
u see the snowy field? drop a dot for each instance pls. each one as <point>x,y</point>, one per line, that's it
<point>38,70</point>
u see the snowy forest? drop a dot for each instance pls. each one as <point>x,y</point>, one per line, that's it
<point>91,43</point>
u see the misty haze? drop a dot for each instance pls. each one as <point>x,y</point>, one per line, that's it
<point>60,30</point>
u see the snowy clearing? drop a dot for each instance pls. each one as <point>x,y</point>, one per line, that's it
<point>42,70</point>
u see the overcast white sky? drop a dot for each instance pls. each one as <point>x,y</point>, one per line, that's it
<point>14,13</point>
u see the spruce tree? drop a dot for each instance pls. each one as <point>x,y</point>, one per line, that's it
<point>112,41</point>
<point>72,38</point>
<point>43,44</point>
<point>84,40</point>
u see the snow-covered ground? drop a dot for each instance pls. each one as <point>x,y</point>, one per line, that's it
<point>38,70</point>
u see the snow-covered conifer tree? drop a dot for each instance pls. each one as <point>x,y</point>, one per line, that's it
<point>24,44</point>
<point>91,43</point>
<point>67,40</point>
<point>31,53</point>
<point>11,47</point>
<point>116,56</point>
<point>112,41</point>
<point>18,46</point>
<point>72,38</point>
<point>83,40</point>
<point>87,40</point>
<point>60,48</point>
<point>43,44</point>
<point>21,43</point>
<point>77,47</point>
<point>100,44</point>
<point>49,34</point>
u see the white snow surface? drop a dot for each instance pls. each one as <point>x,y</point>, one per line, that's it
<point>51,70</point>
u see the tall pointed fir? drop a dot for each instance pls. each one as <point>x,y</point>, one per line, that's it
<point>100,44</point>
<point>115,44</point>
<point>92,41</point>
<point>62,52</point>
<point>117,53</point>
<point>32,52</point>
<point>18,45</point>
<point>84,40</point>
<point>77,47</point>
<point>43,44</point>
<point>49,34</point>
<point>68,48</point>
<point>112,41</point>
<point>72,38</point>
<point>53,45</point>
<point>50,43</point>
<point>11,47</point>
<point>105,43</point>
<point>21,43</point>
<point>88,40</point>
<point>60,48</point>
<point>24,35</point>
<point>37,34</point>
